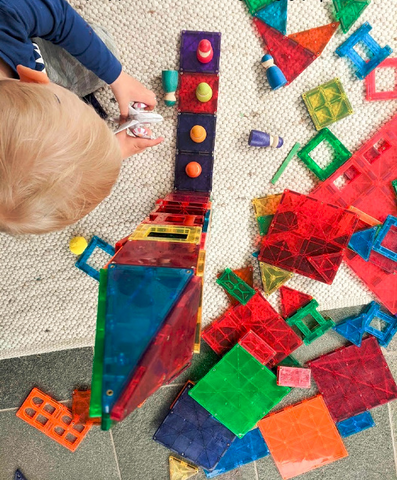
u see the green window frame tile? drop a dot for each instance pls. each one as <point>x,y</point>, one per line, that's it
<point>342,154</point>
<point>310,334</point>
<point>235,286</point>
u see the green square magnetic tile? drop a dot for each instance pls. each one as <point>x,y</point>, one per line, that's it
<point>327,103</point>
<point>235,286</point>
<point>264,223</point>
<point>341,154</point>
<point>238,391</point>
<point>255,5</point>
<point>321,325</point>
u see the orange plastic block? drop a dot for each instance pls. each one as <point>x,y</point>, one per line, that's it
<point>288,55</point>
<point>302,437</point>
<point>53,419</point>
<point>315,39</point>
<point>81,407</point>
<point>247,275</point>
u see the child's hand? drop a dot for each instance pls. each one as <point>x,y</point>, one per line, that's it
<point>133,145</point>
<point>126,90</point>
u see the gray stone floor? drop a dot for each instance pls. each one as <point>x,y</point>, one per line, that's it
<point>128,452</point>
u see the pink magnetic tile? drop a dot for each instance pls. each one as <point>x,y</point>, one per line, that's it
<point>294,377</point>
<point>370,82</point>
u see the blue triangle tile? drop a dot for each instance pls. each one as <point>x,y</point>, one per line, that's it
<point>137,303</point>
<point>18,476</point>
<point>362,242</point>
<point>275,15</point>
<point>352,328</point>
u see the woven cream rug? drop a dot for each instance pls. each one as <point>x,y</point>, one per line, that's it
<point>48,304</point>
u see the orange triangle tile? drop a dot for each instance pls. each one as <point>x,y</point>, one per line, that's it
<point>315,39</point>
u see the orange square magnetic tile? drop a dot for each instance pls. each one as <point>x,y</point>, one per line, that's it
<point>302,437</point>
<point>53,419</point>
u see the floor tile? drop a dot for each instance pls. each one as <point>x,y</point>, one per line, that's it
<point>56,373</point>
<point>40,458</point>
<point>140,457</point>
<point>370,456</point>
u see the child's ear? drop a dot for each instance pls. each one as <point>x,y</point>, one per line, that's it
<point>28,75</point>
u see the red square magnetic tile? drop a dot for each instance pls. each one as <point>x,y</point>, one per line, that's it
<point>308,237</point>
<point>354,379</point>
<point>260,317</point>
<point>187,93</point>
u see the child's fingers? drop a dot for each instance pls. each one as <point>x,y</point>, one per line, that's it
<point>143,143</point>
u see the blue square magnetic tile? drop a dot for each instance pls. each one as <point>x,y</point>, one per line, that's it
<point>186,121</point>
<point>192,432</point>
<point>386,333</point>
<point>202,183</point>
<point>82,264</point>
<point>355,424</point>
<point>242,451</point>
<point>189,43</point>
<point>138,301</point>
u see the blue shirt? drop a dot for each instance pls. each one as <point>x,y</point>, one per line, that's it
<point>57,22</point>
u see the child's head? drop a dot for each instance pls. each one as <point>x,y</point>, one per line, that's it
<point>58,159</point>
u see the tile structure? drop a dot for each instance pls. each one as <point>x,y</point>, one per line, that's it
<point>308,237</point>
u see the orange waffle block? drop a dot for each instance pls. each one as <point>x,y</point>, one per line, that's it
<point>302,437</point>
<point>53,419</point>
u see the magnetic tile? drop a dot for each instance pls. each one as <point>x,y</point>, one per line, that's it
<point>272,277</point>
<point>164,218</point>
<point>266,205</point>
<point>260,317</point>
<point>388,328</point>
<point>187,93</point>
<point>191,431</point>
<point>180,470</point>
<point>189,44</point>
<point>201,183</point>
<point>355,424</point>
<point>352,328</point>
<point>288,55</point>
<point>371,94</point>
<point>340,154</point>
<point>235,286</point>
<point>247,275</point>
<point>158,254</point>
<point>362,67</point>
<point>302,437</point>
<point>307,237</point>
<point>186,121</point>
<point>83,261</point>
<point>242,451</point>
<point>238,391</point>
<point>348,11</point>
<point>293,377</point>
<point>138,302</point>
<point>386,239</point>
<point>327,103</point>
<point>255,5</point>
<point>354,379</point>
<point>292,300</point>
<point>257,347</point>
<point>169,354</point>
<point>315,39</point>
<point>362,242</point>
<point>166,233</point>
<point>275,15</point>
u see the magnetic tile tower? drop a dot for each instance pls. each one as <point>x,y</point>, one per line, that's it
<point>150,293</point>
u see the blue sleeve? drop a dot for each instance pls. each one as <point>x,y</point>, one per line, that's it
<point>57,22</point>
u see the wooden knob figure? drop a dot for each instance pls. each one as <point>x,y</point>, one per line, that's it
<point>203,92</point>
<point>193,169</point>
<point>275,76</point>
<point>170,84</point>
<point>198,134</point>
<point>205,52</point>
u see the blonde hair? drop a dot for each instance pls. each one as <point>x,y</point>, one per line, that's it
<point>58,159</point>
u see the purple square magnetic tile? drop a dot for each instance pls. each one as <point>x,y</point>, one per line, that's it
<point>202,183</point>
<point>185,123</point>
<point>189,44</point>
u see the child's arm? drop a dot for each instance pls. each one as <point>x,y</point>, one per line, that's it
<point>57,22</point>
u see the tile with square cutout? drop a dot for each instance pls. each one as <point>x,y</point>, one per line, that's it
<point>371,82</point>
